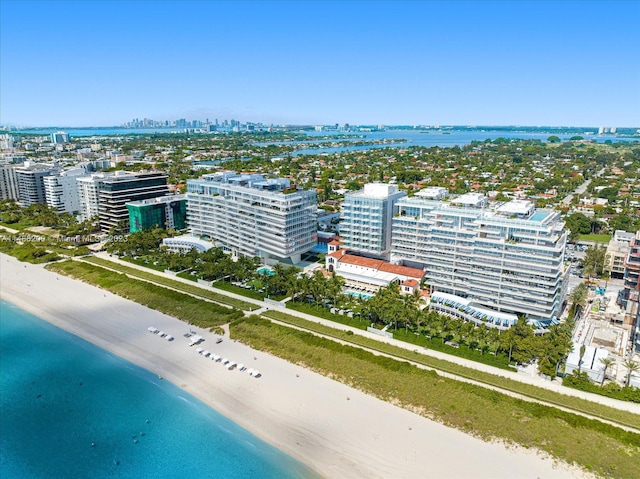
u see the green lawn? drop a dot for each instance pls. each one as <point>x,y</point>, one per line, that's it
<point>595,238</point>
<point>232,288</point>
<point>182,306</point>
<point>187,288</point>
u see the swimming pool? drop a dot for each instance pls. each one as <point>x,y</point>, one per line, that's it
<point>539,215</point>
<point>265,270</point>
<point>359,294</point>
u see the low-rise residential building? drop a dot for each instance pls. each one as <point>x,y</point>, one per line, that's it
<point>616,254</point>
<point>250,215</point>
<point>508,257</point>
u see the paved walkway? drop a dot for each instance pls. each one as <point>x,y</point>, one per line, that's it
<point>527,378</point>
<point>9,230</point>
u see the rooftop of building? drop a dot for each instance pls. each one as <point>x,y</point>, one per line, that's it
<point>343,257</point>
<point>29,166</point>
<point>376,190</point>
<point>158,200</point>
<point>433,193</point>
<point>518,209</point>
<point>247,180</point>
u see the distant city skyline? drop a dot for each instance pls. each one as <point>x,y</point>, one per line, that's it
<point>523,63</point>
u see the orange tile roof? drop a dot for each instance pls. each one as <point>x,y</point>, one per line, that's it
<point>361,261</point>
<point>410,282</point>
<point>403,270</point>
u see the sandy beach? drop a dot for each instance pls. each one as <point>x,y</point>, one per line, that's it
<point>336,430</point>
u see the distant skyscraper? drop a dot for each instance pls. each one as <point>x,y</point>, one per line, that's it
<point>6,142</point>
<point>60,137</point>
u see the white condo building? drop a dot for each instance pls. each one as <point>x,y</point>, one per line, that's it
<point>367,214</point>
<point>250,215</point>
<point>89,194</point>
<point>61,191</point>
<point>508,257</point>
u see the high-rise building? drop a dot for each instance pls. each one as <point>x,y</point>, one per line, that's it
<point>367,214</point>
<point>31,182</point>
<point>61,190</point>
<point>167,212</point>
<point>630,297</point>
<point>125,187</point>
<point>60,137</point>
<point>508,257</point>
<point>250,215</point>
<point>89,194</point>
<point>6,142</point>
<point>8,183</point>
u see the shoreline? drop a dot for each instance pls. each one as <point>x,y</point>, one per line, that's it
<point>333,429</point>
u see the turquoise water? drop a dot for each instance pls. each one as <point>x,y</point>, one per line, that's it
<point>265,270</point>
<point>59,394</point>
<point>539,216</point>
<point>359,294</point>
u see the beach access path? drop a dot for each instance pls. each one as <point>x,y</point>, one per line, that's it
<point>524,377</point>
<point>338,431</point>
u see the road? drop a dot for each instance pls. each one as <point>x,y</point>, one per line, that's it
<point>580,189</point>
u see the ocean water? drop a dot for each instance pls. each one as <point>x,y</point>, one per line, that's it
<point>69,409</point>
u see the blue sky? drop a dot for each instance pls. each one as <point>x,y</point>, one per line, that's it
<point>363,62</point>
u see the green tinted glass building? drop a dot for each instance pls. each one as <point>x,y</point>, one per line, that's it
<point>167,212</point>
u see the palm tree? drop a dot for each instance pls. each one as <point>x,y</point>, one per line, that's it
<point>607,363</point>
<point>632,367</point>
<point>578,298</point>
<point>583,349</point>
